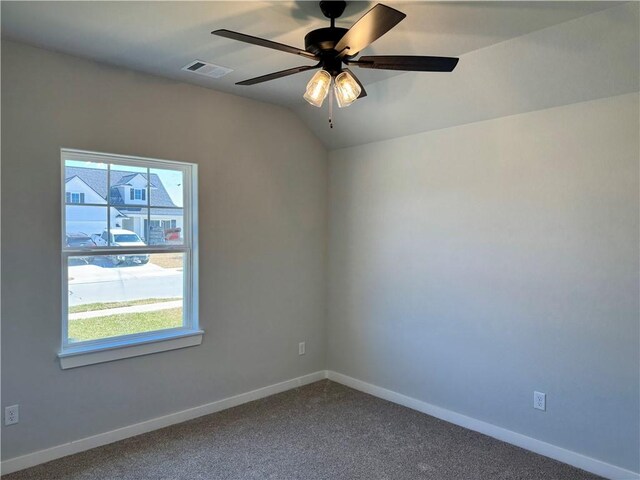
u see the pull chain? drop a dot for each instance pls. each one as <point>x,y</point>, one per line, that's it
<point>331,105</point>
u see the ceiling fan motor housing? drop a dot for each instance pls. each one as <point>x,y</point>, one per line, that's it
<point>323,40</point>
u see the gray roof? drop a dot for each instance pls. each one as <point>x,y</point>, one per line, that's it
<point>125,179</point>
<point>96,178</point>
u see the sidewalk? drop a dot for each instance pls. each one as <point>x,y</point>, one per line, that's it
<point>150,307</point>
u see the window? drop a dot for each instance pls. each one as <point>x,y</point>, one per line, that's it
<point>73,197</point>
<point>129,268</point>
<point>137,194</point>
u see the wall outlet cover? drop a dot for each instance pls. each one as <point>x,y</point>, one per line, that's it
<point>11,415</point>
<point>540,401</point>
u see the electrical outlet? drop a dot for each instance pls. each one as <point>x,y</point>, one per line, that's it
<point>11,415</point>
<point>301,348</point>
<point>540,400</point>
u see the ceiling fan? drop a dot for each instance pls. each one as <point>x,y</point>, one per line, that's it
<point>335,49</point>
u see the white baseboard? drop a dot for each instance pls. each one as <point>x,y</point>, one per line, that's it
<point>42,456</point>
<point>583,462</point>
<point>566,456</point>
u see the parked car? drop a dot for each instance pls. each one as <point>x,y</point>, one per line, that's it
<point>80,240</point>
<point>122,238</point>
<point>172,235</point>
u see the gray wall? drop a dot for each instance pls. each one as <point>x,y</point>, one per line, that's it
<point>473,265</point>
<point>262,243</point>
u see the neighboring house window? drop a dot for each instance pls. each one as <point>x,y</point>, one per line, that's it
<point>137,194</point>
<point>165,224</point>
<point>130,283</point>
<point>74,197</point>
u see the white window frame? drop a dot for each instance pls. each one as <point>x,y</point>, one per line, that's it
<point>103,350</point>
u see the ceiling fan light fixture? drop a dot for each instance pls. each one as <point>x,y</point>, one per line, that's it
<point>332,46</point>
<point>347,89</point>
<point>318,88</point>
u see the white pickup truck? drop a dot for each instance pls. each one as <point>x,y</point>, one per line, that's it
<point>121,238</point>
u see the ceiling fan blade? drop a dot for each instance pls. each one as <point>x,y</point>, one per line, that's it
<point>408,63</point>
<point>363,92</point>
<point>263,43</point>
<point>373,24</point>
<point>280,74</point>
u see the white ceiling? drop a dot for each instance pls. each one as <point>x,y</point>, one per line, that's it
<point>162,37</point>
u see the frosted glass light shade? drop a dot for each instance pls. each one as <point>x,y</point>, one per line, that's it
<point>317,88</point>
<point>347,89</point>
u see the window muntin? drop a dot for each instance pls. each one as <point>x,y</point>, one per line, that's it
<point>132,306</point>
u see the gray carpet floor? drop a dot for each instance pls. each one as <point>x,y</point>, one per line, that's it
<point>320,431</point>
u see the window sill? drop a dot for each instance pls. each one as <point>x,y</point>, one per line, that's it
<point>73,357</point>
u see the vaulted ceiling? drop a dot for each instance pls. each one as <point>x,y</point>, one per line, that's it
<point>515,56</point>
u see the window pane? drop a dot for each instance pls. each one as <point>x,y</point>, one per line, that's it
<point>167,226</point>
<point>83,225</point>
<point>131,221</point>
<point>166,188</point>
<point>114,295</point>
<point>85,182</point>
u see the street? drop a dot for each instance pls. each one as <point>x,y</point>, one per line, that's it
<point>92,283</point>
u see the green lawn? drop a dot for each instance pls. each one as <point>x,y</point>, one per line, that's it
<point>90,307</point>
<point>123,324</point>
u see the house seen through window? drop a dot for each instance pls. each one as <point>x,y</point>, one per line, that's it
<point>128,249</point>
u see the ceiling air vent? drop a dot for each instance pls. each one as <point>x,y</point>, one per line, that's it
<point>208,69</point>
